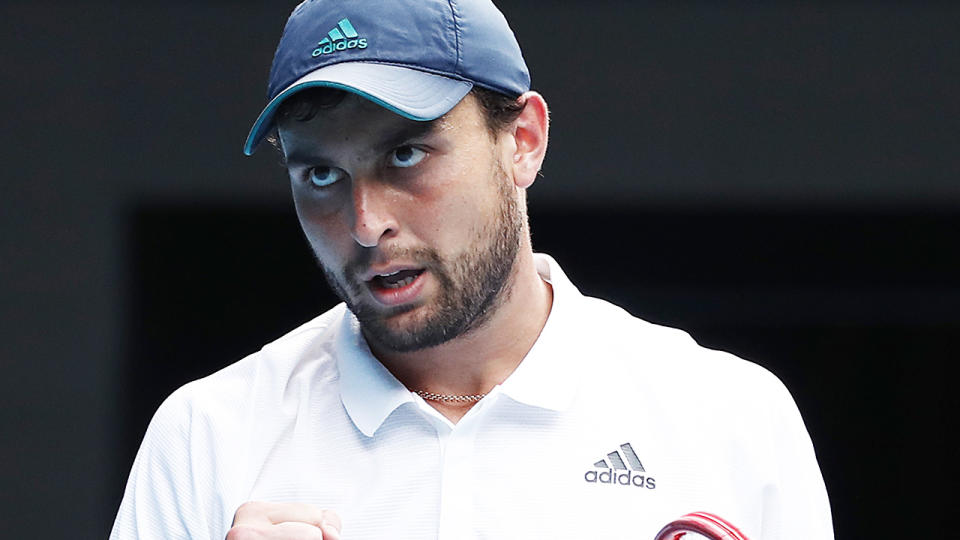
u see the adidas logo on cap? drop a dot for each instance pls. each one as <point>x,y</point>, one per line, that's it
<point>617,472</point>
<point>343,36</point>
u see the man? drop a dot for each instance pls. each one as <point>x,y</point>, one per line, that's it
<point>465,388</point>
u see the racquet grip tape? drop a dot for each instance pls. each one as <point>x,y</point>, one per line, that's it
<point>703,523</point>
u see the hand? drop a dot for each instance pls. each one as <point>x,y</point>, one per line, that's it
<point>283,521</point>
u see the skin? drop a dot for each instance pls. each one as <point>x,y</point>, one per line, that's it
<point>283,521</point>
<point>410,198</point>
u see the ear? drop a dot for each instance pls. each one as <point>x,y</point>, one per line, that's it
<point>529,132</point>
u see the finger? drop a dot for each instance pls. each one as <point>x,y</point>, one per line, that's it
<point>331,525</point>
<point>331,531</point>
<point>269,513</point>
<point>282,531</point>
<point>291,530</point>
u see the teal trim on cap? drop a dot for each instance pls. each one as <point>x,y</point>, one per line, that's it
<point>265,120</point>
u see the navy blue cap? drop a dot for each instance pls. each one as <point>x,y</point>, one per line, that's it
<point>417,58</point>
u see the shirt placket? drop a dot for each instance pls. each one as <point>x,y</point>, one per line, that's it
<point>456,491</point>
<point>457,481</point>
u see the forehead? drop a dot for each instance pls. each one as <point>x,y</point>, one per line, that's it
<point>358,121</point>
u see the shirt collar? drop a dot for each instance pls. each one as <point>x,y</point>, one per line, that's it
<point>368,391</point>
<point>546,377</point>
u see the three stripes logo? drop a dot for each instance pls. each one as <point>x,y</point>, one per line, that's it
<point>343,36</point>
<point>623,468</point>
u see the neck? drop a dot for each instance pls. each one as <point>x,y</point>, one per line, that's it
<point>485,356</point>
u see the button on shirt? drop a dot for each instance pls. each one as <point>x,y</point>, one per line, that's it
<point>609,428</point>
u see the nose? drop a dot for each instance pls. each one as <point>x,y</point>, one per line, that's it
<point>373,216</point>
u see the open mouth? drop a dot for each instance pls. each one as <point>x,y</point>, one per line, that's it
<point>396,280</point>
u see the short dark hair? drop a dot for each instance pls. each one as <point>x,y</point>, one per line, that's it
<point>499,110</point>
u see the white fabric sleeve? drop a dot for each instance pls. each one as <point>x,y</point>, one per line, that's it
<point>796,507</point>
<point>170,493</point>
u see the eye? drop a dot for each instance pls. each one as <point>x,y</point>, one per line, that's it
<point>324,176</point>
<point>406,156</point>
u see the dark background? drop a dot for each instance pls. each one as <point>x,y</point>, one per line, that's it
<point>779,179</point>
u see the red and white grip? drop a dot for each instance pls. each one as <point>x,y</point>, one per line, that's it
<point>708,525</point>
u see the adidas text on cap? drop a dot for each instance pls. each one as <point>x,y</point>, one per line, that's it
<point>417,58</point>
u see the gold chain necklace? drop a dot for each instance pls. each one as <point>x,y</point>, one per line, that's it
<point>449,398</point>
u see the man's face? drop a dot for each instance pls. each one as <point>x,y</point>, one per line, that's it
<point>416,225</point>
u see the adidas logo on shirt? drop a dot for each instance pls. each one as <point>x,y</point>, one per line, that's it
<point>343,36</point>
<point>617,471</point>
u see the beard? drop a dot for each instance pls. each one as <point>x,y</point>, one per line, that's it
<point>471,285</point>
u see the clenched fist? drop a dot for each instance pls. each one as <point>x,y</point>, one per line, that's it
<point>283,521</point>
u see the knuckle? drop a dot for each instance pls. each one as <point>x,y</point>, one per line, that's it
<point>248,510</point>
<point>243,532</point>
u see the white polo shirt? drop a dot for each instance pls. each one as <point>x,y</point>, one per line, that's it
<point>609,428</point>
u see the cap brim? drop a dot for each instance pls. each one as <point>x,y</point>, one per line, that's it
<point>411,93</point>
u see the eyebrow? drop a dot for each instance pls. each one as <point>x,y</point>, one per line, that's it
<point>409,130</point>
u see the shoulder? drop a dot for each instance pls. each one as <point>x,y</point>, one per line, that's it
<point>649,356</point>
<point>683,391</point>
<point>228,396</point>
<point>191,470</point>
<point>671,357</point>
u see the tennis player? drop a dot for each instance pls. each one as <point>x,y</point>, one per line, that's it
<point>464,388</point>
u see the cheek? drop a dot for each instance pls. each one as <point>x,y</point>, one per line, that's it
<point>321,226</point>
<point>467,183</point>
<point>460,216</point>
